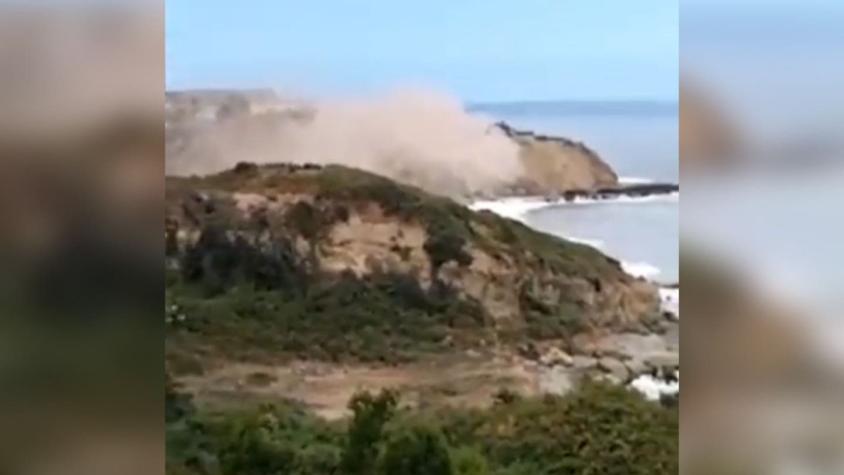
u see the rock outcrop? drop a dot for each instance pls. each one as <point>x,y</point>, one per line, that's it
<point>557,164</point>
<point>483,278</point>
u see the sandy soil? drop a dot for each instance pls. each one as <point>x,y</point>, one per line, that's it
<point>459,380</point>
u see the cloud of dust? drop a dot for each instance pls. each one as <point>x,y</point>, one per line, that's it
<point>417,137</point>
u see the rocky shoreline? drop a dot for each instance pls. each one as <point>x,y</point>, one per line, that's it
<point>631,191</point>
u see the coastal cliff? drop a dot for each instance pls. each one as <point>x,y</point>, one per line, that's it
<point>335,263</point>
<point>554,165</point>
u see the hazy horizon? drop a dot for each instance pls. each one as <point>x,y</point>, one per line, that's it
<point>584,105</point>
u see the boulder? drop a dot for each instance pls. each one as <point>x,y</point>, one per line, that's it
<point>613,367</point>
<point>584,362</point>
<point>555,356</point>
<point>636,367</point>
<point>556,380</point>
<point>663,361</point>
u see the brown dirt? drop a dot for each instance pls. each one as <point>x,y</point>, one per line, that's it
<point>468,380</point>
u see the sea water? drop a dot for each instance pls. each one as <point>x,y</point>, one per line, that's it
<point>640,141</point>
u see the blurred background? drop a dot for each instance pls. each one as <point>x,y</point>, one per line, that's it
<point>81,143</point>
<point>762,170</point>
<point>81,199</point>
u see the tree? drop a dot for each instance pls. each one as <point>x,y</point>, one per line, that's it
<point>366,430</point>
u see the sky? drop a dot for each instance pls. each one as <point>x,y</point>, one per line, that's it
<point>478,50</point>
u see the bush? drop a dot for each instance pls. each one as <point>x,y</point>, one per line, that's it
<point>597,428</point>
<point>385,317</point>
<point>370,415</point>
<point>469,461</point>
<point>219,261</point>
<point>416,450</point>
<point>273,440</point>
<point>444,245</point>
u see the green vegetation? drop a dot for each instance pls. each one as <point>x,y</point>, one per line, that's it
<point>244,291</point>
<point>257,295</point>
<point>596,429</point>
<point>450,226</point>
<point>416,449</point>
<point>370,415</point>
<point>385,317</point>
<point>447,223</point>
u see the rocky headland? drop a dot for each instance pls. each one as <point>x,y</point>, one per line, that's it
<point>561,168</point>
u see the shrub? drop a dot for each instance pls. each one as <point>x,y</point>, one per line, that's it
<point>218,261</point>
<point>384,317</point>
<point>369,416</point>
<point>469,461</point>
<point>306,219</point>
<point>416,450</point>
<point>444,245</point>
<point>595,429</point>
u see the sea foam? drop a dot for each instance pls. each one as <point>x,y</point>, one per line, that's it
<point>670,301</point>
<point>652,388</point>
<point>513,208</point>
<point>634,180</point>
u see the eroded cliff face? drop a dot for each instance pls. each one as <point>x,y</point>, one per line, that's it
<point>557,164</point>
<point>282,227</point>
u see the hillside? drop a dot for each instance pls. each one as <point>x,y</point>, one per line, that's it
<point>376,270</point>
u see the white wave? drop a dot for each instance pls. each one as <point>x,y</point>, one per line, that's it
<point>513,208</point>
<point>634,180</point>
<point>670,301</point>
<point>640,269</point>
<point>653,387</point>
<point>518,207</point>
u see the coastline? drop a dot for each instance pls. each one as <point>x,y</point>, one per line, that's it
<point>519,207</point>
<point>658,384</point>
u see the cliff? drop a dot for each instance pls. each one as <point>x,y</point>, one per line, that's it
<point>335,263</point>
<point>557,164</point>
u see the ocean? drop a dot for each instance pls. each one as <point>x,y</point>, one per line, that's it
<point>640,141</point>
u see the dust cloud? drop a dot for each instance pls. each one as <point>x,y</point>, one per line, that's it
<point>418,137</point>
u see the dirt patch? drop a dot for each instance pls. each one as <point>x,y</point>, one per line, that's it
<point>466,380</point>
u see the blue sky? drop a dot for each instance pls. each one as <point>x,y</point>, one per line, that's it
<point>478,50</point>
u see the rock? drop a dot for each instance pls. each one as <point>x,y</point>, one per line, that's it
<point>556,356</point>
<point>529,351</point>
<point>555,165</point>
<point>614,353</point>
<point>663,361</point>
<point>609,378</point>
<point>614,367</point>
<point>556,380</point>
<point>584,362</point>
<point>636,367</point>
